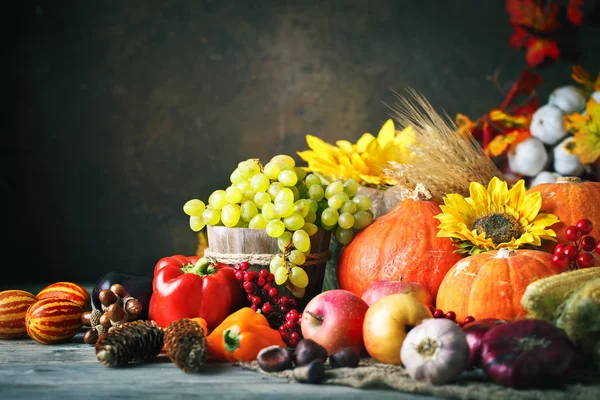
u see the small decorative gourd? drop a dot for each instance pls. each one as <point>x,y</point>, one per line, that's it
<point>528,158</point>
<point>569,99</point>
<point>548,125</point>
<point>564,162</point>
<point>544,177</point>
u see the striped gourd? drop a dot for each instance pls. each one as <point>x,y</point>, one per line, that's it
<point>68,291</point>
<point>53,320</point>
<point>543,297</point>
<point>580,315</point>
<point>13,306</point>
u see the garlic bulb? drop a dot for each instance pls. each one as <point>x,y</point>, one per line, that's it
<point>528,157</point>
<point>569,99</point>
<point>566,163</point>
<point>544,177</point>
<point>547,124</point>
<point>435,351</point>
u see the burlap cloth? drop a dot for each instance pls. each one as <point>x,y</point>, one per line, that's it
<point>469,385</point>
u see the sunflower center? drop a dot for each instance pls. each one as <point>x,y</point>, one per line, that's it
<point>498,227</point>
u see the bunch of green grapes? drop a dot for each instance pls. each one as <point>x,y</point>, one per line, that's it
<point>290,205</point>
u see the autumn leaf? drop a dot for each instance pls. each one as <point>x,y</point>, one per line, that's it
<point>583,77</point>
<point>501,143</point>
<point>533,14</point>
<point>574,13</point>
<point>586,131</point>
<point>526,85</point>
<point>540,49</point>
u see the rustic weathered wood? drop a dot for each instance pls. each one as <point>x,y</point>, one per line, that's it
<point>71,370</point>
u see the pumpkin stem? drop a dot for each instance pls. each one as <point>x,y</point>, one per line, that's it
<point>568,179</point>
<point>421,193</point>
<point>505,253</point>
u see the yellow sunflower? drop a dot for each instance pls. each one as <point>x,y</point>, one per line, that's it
<point>495,217</point>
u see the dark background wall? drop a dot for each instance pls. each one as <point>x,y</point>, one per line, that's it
<point>120,111</point>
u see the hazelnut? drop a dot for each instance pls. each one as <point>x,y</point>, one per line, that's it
<point>274,358</point>
<point>115,312</point>
<point>346,357</point>
<point>311,373</point>
<point>107,297</point>
<point>307,351</point>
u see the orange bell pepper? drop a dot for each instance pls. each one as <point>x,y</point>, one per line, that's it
<point>241,336</point>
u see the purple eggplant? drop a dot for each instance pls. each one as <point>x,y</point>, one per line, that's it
<point>138,286</point>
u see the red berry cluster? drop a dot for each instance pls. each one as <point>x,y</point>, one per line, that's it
<point>451,315</point>
<point>579,252</point>
<point>262,296</point>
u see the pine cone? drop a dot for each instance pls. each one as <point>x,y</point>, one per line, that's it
<point>185,344</point>
<point>132,341</point>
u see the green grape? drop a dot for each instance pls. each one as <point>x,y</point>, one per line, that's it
<point>281,275</point>
<point>268,211</point>
<point>262,198</point>
<point>283,210</point>
<point>300,172</point>
<point>260,182</point>
<point>248,195</point>
<point>334,188</point>
<point>230,215</point>
<point>337,200</point>
<point>251,166</point>
<point>194,207</point>
<point>285,195</point>
<point>276,262</point>
<point>322,205</point>
<point>243,186</point>
<point>362,202</point>
<point>248,210</point>
<point>284,240</point>
<point>310,216</point>
<point>275,228</point>
<point>293,222</point>
<point>295,192</point>
<point>346,221</point>
<point>217,199</point>
<point>298,292</point>
<point>312,205</point>
<point>196,223</point>
<point>233,195</point>
<point>238,175</point>
<point>302,190</point>
<point>348,207</point>
<point>302,207</point>
<point>344,236</point>
<point>274,189</point>
<point>298,277</point>
<point>312,179</point>
<point>258,222</point>
<point>284,160</point>
<point>310,228</point>
<point>211,216</point>
<point>330,216</point>
<point>272,170</point>
<point>362,219</point>
<point>287,177</point>
<point>301,240</point>
<point>241,224</point>
<point>328,227</point>
<point>297,257</point>
<point>350,187</point>
<point>316,192</point>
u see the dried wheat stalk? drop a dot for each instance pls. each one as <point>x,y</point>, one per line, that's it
<point>444,159</point>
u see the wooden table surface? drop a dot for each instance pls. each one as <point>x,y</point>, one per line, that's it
<point>70,370</point>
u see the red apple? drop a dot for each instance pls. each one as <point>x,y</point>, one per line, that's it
<point>384,288</point>
<point>388,321</point>
<point>334,319</point>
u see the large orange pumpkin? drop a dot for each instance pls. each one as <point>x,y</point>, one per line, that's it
<point>491,284</point>
<point>570,199</point>
<point>399,245</point>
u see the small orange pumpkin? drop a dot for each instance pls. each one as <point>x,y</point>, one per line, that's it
<point>399,245</point>
<point>570,199</point>
<point>491,284</point>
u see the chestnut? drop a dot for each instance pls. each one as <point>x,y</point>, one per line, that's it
<point>91,336</point>
<point>105,321</point>
<point>86,318</point>
<point>115,312</point>
<point>107,297</point>
<point>346,357</point>
<point>274,358</point>
<point>307,351</point>
<point>133,307</point>
<point>314,372</point>
<point>119,290</point>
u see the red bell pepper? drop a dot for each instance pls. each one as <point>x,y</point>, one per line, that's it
<point>189,287</point>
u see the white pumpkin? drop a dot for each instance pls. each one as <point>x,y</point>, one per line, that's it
<point>596,96</point>
<point>570,99</point>
<point>544,177</point>
<point>528,158</point>
<point>564,162</point>
<point>547,124</point>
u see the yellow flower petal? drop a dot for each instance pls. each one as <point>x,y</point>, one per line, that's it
<point>386,133</point>
<point>363,142</point>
